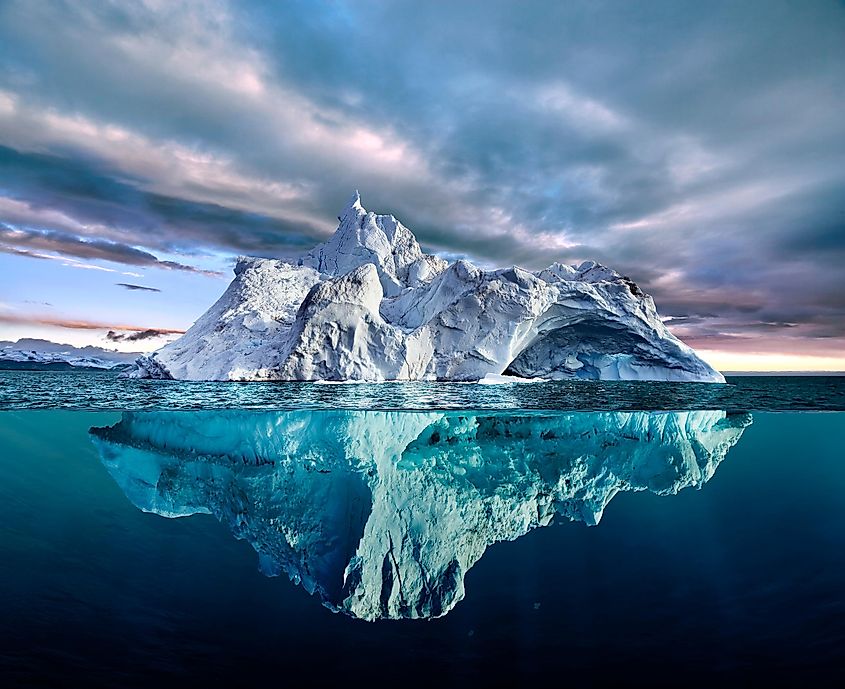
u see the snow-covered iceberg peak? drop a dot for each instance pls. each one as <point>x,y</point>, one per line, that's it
<point>381,240</point>
<point>382,514</point>
<point>368,304</point>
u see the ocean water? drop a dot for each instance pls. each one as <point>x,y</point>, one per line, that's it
<point>85,390</point>
<point>374,536</point>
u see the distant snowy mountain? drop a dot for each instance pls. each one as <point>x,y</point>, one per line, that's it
<point>368,304</point>
<point>35,354</point>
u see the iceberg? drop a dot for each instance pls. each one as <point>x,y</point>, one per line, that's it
<point>368,304</point>
<point>382,514</point>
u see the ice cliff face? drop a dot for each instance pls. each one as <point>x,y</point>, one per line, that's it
<point>368,304</point>
<point>381,514</point>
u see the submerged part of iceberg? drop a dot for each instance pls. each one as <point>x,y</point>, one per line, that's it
<point>381,514</point>
<point>368,304</point>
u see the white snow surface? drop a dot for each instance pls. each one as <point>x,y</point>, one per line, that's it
<point>381,514</point>
<point>368,304</point>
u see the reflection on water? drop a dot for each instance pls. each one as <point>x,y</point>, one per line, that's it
<point>381,514</point>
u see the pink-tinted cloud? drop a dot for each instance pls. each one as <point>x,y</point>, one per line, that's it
<point>80,324</point>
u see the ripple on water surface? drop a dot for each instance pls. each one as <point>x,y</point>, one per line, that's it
<point>108,391</point>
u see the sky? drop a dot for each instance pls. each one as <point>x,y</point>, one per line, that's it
<point>697,147</point>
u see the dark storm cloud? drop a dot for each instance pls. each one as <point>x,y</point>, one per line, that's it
<point>697,147</point>
<point>137,288</point>
<point>93,193</point>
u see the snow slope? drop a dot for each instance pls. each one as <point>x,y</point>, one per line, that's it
<point>368,304</point>
<point>382,514</point>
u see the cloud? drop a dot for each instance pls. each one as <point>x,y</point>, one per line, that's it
<point>64,260</point>
<point>698,148</point>
<point>82,197</point>
<point>77,324</point>
<point>147,334</point>
<point>134,288</point>
<point>23,241</point>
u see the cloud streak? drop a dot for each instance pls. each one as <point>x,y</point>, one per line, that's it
<point>79,324</point>
<point>25,241</point>
<point>137,288</point>
<point>147,334</point>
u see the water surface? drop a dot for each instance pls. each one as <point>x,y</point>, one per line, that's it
<point>107,391</point>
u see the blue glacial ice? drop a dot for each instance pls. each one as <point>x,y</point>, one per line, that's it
<point>382,514</point>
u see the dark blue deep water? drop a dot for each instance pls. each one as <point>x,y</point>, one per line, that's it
<point>499,546</point>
